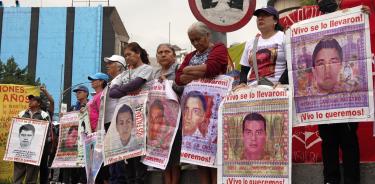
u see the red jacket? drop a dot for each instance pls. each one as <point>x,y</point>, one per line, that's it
<point>216,62</point>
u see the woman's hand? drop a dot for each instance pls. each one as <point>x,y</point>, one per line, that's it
<point>162,78</point>
<point>366,9</point>
<point>82,110</point>
<point>240,87</point>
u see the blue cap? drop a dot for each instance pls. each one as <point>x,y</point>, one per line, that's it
<point>81,88</point>
<point>99,76</point>
<point>269,9</point>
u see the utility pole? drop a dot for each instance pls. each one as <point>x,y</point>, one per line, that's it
<point>169,32</point>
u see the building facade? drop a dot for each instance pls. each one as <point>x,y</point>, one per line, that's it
<point>61,46</point>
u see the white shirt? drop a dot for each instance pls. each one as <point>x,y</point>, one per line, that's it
<point>274,63</point>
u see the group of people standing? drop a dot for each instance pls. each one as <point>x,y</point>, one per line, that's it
<point>129,73</point>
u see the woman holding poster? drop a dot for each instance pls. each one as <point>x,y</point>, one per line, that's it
<point>131,80</point>
<point>166,57</point>
<point>207,61</point>
<point>270,54</point>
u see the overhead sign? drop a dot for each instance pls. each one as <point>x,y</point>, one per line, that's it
<point>223,15</point>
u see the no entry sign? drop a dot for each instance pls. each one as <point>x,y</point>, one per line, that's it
<point>223,15</point>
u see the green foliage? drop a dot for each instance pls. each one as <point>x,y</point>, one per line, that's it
<point>10,73</point>
<point>308,2</point>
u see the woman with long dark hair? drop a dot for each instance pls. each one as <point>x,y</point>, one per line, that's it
<point>138,73</point>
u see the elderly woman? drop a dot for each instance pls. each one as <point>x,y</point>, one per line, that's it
<point>166,57</point>
<point>131,80</point>
<point>207,61</point>
<point>270,54</point>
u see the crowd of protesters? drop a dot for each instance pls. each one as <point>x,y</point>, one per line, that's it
<point>129,73</point>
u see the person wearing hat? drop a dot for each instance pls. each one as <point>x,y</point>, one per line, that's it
<point>76,175</point>
<point>82,94</point>
<point>22,170</point>
<point>269,53</point>
<point>98,83</point>
<point>115,66</point>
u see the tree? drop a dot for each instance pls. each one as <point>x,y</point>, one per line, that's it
<point>10,73</point>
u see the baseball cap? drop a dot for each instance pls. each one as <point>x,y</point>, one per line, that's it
<point>269,9</point>
<point>115,58</point>
<point>37,98</point>
<point>98,76</point>
<point>81,88</point>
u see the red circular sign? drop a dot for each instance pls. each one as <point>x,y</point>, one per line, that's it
<point>223,15</point>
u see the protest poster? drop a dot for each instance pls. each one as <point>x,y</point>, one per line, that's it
<point>104,115</point>
<point>84,128</point>
<point>93,157</point>
<point>26,141</point>
<point>67,154</point>
<point>163,117</point>
<point>84,122</point>
<point>199,106</point>
<point>329,64</point>
<point>126,136</point>
<point>13,99</point>
<point>254,140</point>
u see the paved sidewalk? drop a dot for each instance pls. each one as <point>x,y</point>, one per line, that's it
<point>302,174</point>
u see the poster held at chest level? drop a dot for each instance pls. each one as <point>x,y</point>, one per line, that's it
<point>163,117</point>
<point>26,141</point>
<point>330,69</point>
<point>200,102</point>
<point>254,140</point>
<point>126,136</point>
<point>70,144</point>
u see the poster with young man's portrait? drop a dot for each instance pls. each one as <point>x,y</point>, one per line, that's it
<point>163,119</point>
<point>67,154</point>
<point>199,109</point>
<point>26,141</point>
<point>330,68</point>
<point>255,136</point>
<point>126,136</point>
<point>93,157</point>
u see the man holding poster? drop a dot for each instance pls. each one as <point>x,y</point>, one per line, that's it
<point>22,169</point>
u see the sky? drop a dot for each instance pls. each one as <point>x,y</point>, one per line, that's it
<point>147,21</point>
